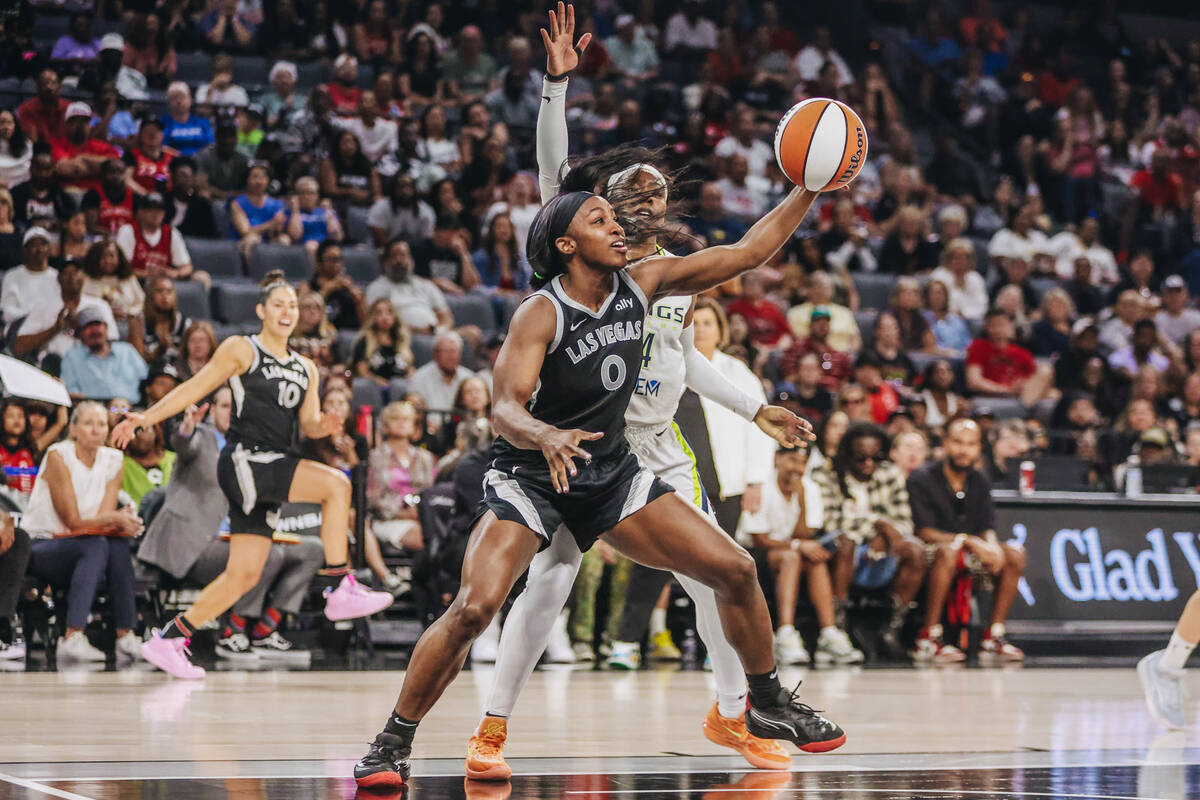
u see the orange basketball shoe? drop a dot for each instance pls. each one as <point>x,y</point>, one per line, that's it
<point>732,733</point>
<point>485,751</point>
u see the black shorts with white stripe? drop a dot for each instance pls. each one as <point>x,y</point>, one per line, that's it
<point>606,491</point>
<point>256,483</point>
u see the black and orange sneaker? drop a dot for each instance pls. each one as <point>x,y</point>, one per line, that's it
<point>385,766</point>
<point>795,722</point>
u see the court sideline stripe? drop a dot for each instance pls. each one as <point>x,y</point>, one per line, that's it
<point>798,790</point>
<point>38,787</point>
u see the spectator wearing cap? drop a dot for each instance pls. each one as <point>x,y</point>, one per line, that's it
<point>43,116</point>
<point>149,49</point>
<point>97,368</point>
<point>418,301</point>
<point>632,53</point>
<point>402,215</point>
<point>998,366</point>
<point>226,29</point>
<point>184,131</point>
<point>343,89</point>
<point>250,129</point>
<point>468,68</point>
<point>843,334</point>
<point>155,248</point>
<point>281,100</point>
<point>223,168</point>
<point>77,156</point>
<point>77,47</point>
<point>312,220</point>
<point>110,205</point>
<point>446,258</point>
<point>1177,318</point>
<point>256,216</point>
<point>221,90</point>
<point>1141,351</point>
<point>834,364</point>
<point>148,159</point>
<point>187,210</point>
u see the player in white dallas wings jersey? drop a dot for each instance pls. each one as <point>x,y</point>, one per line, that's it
<point>670,363</point>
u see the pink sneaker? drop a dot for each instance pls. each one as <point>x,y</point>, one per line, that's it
<point>171,656</point>
<point>351,600</point>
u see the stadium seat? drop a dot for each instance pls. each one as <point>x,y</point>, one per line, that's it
<point>193,300</point>
<point>221,219</point>
<point>218,258</point>
<point>233,301</point>
<point>422,347</point>
<point>344,344</point>
<point>1001,407</point>
<point>193,68</point>
<point>309,74</point>
<point>873,289</point>
<point>866,322</point>
<point>250,70</point>
<point>292,259</point>
<point>1043,285</point>
<point>366,392</point>
<point>473,308</point>
<point>356,225</point>
<point>362,264</point>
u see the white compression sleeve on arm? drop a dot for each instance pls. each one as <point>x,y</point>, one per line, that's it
<point>704,379</point>
<point>551,136</point>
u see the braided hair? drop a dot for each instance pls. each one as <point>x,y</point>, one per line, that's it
<point>844,455</point>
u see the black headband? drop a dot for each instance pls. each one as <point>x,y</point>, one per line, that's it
<point>551,222</point>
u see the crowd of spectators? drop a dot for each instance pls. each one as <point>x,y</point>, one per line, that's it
<point>1022,248</point>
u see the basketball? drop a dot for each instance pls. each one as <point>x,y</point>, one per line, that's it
<point>821,144</point>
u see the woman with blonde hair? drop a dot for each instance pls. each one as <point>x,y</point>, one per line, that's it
<point>314,336</point>
<point>81,536</point>
<point>950,330</point>
<point>1051,335</point>
<point>11,248</point>
<point>199,344</point>
<point>382,351</point>
<point>968,291</point>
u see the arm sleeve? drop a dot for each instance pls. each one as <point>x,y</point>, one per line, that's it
<point>551,136</point>
<point>704,379</point>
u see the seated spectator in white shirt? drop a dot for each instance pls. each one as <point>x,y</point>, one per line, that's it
<point>1069,245</point>
<point>632,53</point>
<point>1117,332</point>
<point>376,134</point>
<point>744,196</point>
<point>1141,350</point>
<point>689,35</point>
<point>437,382</point>
<point>785,527</point>
<point>401,216</point>
<point>221,90</point>
<point>1177,318</point>
<point>1021,238</point>
<point>742,141</point>
<point>810,60</point>
<point>418,301</point>
<point>968,291</point>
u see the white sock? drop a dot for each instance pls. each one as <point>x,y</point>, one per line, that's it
<point>828,631</point>
<point>731,706</point>
<point>1177,652</point>
<point>658,621</point>
<point>784,629</point>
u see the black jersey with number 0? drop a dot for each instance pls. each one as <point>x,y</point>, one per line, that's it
<point>266,401</point>
<point>591,366</point>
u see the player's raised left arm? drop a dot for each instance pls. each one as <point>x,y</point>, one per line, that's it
<point>705,269</point>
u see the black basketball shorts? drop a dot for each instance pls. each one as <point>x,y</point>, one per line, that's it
<point>606,491</point>
<point>256,483</point>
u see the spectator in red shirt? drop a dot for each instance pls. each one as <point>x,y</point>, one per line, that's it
<point>868,374</point>
<point>43,116</point>
<point>343,89</point>
<point>835,365</point>
<point>77,158</point>
<point>767,323</point>
<point>148,158</point>
<point>1157,198</point>
<point>997,366</point>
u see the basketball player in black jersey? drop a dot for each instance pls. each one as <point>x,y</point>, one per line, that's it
<point>275,393</point>
<point>562,383</point>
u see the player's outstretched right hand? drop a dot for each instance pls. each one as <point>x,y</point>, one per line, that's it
<point>126,429</point>
<point>560,449</point>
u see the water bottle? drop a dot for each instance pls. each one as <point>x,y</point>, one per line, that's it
<point>689,647</point>
<point>1133,477</point>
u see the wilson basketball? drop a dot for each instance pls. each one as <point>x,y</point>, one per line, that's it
<point>820,144</point>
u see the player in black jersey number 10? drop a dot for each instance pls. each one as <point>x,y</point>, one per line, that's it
<point>562,384</point>
<point>275,393</point>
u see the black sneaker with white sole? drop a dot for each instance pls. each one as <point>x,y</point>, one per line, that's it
<point>236,647</point>
<point>385,766</point>
<point>277,648</point>
<point>792,721</point>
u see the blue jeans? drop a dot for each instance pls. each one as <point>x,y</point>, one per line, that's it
<point>80,564</point>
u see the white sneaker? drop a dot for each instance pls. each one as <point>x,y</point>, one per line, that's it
<point>487,646</point>
<point>625,655</point>
<point>789,649</point>
<point>558,650</point>
<point>12,652</point>
<point>277,647</point>
<point>236,647</point>
<point>834,647</point>
<point>1163,689</point>
<point>129,647</point>
<point>76,647</point>
<point>396,583</point>
<point>584,654</point>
